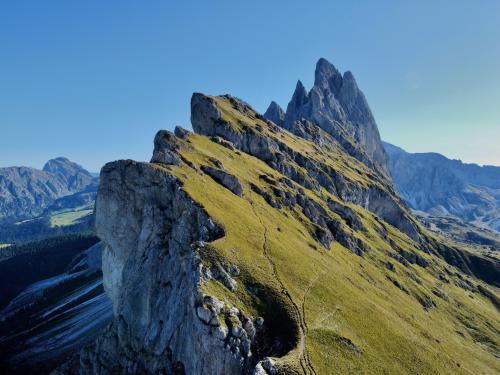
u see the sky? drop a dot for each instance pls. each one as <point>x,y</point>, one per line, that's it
<point>95,80</point>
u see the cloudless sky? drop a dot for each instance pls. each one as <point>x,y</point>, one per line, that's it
<point>94,80</point>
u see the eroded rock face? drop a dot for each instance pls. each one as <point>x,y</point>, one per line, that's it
<point>226,179</point>
<point>275,114</point>
<point>207,120</point>
<point>54,317</point>
<point>166,146</point>
<point>152,273</point>
<point>338,106</point>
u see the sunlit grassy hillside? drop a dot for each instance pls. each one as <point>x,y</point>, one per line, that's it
<point>350,314</point>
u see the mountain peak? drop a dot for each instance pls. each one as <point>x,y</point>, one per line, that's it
<point>275,113</point>
<point>338,106</point>
<point>300,90</point>
<point>327,77</point>
<point>64,166</point>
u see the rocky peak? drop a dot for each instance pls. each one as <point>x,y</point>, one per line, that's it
<point>64,166</point>
<point>26,192</point>
<point>300,95</point>
<point>353,101</point>
<point>297,105</point>
<point>338,106</point>
<point>275,113</point>
<point>327,77</point>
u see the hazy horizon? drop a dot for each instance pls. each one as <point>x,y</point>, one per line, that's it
<point>94,82</point>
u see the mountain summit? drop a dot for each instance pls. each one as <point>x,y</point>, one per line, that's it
<point>25,192</point>
<point>338,106</point>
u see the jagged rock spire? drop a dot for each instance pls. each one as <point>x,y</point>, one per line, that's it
<point>338,106</point>
<point>275,113</point>
<point>327,77</point>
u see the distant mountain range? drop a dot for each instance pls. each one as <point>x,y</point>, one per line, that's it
<point>26,192</point>
<point>432,183</point>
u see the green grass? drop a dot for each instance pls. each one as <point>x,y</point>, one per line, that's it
<point>357,320</point>
<point>68,218</point>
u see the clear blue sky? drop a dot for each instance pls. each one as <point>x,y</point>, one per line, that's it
<point>94,80</point>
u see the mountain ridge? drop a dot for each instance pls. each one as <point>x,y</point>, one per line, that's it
<point>25,192</point>
<point>267,253</point>
<point>432,183</point>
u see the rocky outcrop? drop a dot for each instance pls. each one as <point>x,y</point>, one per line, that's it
<point>26,192</point>
<point>153,272</point>
<point>275,114</point>
<point>166,146</point>
<point>432,183</point>
<point>338,106</point>
<point>208,120</point>
<point>226,179</point>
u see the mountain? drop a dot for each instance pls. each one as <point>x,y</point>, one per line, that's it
<point>244,248</point>
<point>275,114</point>
<point>26,192</point>
<point>434,184</point>
<point>339,107</point>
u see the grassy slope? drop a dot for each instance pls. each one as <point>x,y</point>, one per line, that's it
<point>68,218</point>
<point>356,320</point>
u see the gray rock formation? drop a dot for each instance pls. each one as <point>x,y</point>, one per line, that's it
<point>207,119</point>
<point>434,184</point>
<point>338,106</point>
<point>152,272</point>
<point>26,192</point>
<point>225,179</point>
<point>166,145</point>
<point>275,114</point>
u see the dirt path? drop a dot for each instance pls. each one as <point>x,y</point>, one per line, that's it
<point>304,359</point>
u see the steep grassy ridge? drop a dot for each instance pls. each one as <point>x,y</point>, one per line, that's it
<point>379,312</point>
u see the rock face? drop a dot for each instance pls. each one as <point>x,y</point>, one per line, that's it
<point>275,114</point>
<point>225,179</point>
<point>152,272</point>
<point>208,120</point>
<point>432,183</point>
<point>338,106</point>
<point>26,192</point>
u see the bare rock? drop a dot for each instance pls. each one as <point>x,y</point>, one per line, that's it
<point>166,147</point>
<point>181,133</point>
<point>226,179</point>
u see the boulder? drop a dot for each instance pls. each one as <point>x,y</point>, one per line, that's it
<point>224,178</point>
